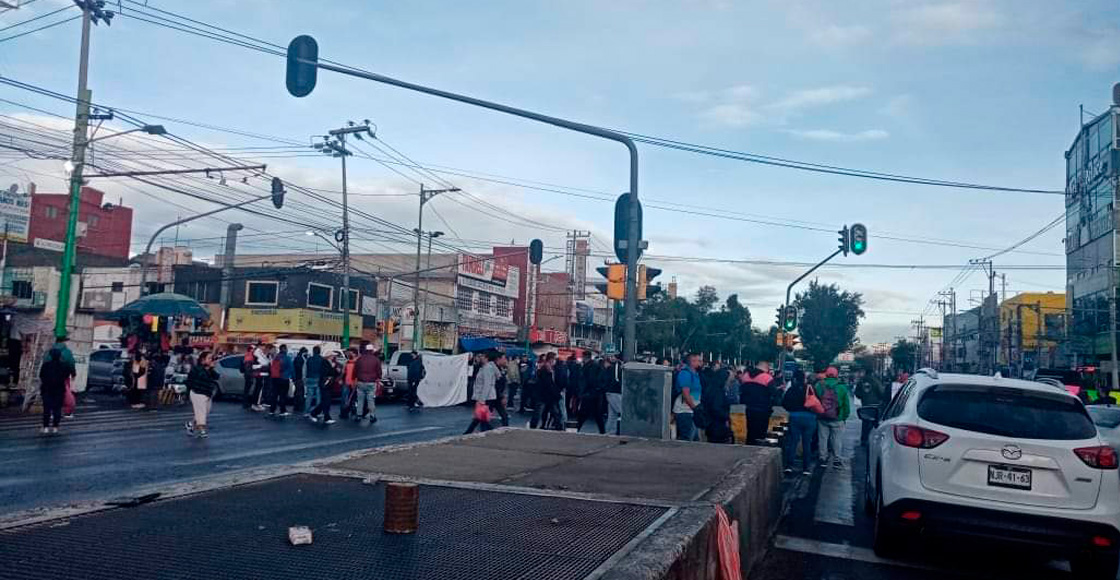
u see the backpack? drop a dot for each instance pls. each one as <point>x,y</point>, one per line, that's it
<point>831,403</point>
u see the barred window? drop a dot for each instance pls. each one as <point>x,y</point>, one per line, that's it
<point>483,303</point>
<point>501,306</point>
<point>466,297</point>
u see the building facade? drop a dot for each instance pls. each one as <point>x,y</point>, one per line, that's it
<point>1092,165</point>
<point>1032,331</point>
<point>103,228</point>
<point>961,334</point>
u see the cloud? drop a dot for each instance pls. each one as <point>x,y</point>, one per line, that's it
<point>839,137</point>
<point>731,107</point>
<point>837,36</point>
<point>942,23</point>
<point>808,98</point>
<point>898,106</point>
<point>731,115</point>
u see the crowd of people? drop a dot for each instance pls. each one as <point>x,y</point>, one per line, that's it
<point>554,392</point>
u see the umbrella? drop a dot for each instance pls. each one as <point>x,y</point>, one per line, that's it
<point>163,304</point>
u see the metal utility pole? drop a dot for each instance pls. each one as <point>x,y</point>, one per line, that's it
<point>426,195</point>
<point>227,268</point>
<point>428,266</point>
<point>1112,326</point>
<point>989,326</point>
<point>918,354</point>
<point>336,147</point>
<point>78,159</point>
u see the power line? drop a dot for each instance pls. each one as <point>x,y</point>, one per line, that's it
<point>39,17</point>
<point>34,30</point>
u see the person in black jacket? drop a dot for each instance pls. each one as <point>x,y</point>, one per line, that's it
<point>717,405</point>
<point>52,388</point>
<point>802,424</point>
<point>614,396</point>
<point>202,382</point>
<point>591,403</point>
<point>415,374</point>
<point>546,415</point>
<point>576,385</point>
<point>299,374</point>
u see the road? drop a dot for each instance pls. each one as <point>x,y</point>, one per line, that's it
<point>826,535</point>
<point>107,449</point>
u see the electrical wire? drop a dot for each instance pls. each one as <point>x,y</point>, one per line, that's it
<point>34,30</point>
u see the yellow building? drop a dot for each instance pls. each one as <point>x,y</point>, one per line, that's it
<point>1032,327</point>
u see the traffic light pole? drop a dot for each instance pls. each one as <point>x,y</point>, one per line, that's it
<point>632,241</point>
<point>782,353</point>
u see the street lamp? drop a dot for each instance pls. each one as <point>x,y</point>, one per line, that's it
<point>149,129</point>
<point>424,308</point>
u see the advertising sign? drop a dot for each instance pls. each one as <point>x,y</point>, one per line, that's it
<point>483,268</point>
<point>15,214</point>
<point>291,320</point>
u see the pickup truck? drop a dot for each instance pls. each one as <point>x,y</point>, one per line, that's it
<point>397,371</point>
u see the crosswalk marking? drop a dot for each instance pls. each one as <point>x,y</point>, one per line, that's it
<point>841,551</point>
<point>834,503</point>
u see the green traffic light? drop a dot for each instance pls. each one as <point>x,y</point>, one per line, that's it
<point>858,246</point>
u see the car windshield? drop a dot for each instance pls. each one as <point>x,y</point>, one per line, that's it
<point>1007,412</point>
<point>1108,417</point>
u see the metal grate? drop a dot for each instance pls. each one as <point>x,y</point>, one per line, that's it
<point>241,533</point>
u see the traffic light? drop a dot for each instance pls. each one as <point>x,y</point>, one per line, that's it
<point>645,276</point>
<point>858,238</point>
<point>615,288</point>
<point>789,321</point>
<point>303,58</point>
<point>779,321</point>
<point>536,252</point>
<point>622,227</point>
<point>844,239</point>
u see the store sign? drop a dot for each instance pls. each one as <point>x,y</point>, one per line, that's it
<point>49,245</point>
<point>483,268</point>
<point>508,285</point>
<point>291,320</point>
<point>549,335</point>
<point>15,213</point>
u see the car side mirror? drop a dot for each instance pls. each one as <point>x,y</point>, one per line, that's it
<point>870,414</point>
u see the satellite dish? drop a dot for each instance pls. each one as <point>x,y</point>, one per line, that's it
<point>13,189</point>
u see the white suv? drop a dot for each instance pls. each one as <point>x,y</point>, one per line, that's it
<point>995,459</point>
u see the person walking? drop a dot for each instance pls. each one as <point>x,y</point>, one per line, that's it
<point>718,395</point>
<point>261,366</point>
<point>313,370</point>
<point>756,392</point>
<point>416,373</point>
<point>513,380</point>
<point>592,397</point>
<point>346,376</point>
<point>135,379</point>
<point>802,424</point>
<point>575,387</point>
<point>871,393</point>
<point>280,377</point>
<point>546,413</point>
<point>614,396</point>
<point>830,423</point>
<point>528,372</point>
<point>202,383</point>
<point>485,391</point>
<point>367,376</point>
<point>53,376</point>
<point>500,386</point>
<point>329,371</point>
<point>299,377</point>
<point>689,393</point>
<point>247,364</point>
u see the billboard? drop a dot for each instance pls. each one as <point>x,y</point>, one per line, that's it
<point>15,215</point>
<point>483,268</point>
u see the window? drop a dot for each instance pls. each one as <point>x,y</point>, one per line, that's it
<point>51,212</point>
<point>21,289</point>
<point>466,299</point>
<point>501,306</point>
<point>232,362</point>
<point>405,359</point>
<point>1107,417</point>
<point>259,293</point>
<point>1007,412</point>
<point>895,407</point>
<point>107,355</point>
<point>355,300</point>
<point>483,303</point>
<point>319,296</point>
<point>118,287</point>
<point>93,221</point>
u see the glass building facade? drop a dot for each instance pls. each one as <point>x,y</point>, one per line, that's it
<point>1091,246</point>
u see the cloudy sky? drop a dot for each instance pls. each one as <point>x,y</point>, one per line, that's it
<point>978,91</point>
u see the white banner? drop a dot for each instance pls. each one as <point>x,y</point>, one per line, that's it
<point>445,380</point>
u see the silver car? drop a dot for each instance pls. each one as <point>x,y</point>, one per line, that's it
<point>231,382</point>
<point>1107,419</point>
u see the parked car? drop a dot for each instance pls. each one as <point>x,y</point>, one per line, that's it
<point>396,371</point>
<point>989,458</point>
<point>106,370</point>
<point>1107,420</point>
<point>230,380</point>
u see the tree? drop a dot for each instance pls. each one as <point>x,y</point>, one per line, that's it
<point>828,321</point>
<point>903,355</point>
<point>706,298</point>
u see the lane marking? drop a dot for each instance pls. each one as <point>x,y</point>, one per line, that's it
<point>841,551</point>
<point>834,502</point>
<point>304,446</point>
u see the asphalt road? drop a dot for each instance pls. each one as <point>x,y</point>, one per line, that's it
<point>108,449</point>
<point>826,535</point>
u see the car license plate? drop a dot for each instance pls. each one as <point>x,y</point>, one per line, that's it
<point>1007,476</point>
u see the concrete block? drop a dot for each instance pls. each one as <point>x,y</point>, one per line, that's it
<point>646,400</point>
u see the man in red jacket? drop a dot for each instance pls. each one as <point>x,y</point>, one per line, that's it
<point>367,375</point>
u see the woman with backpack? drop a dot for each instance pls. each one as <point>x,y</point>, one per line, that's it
<point>836,406</point>
<point>802,422</point>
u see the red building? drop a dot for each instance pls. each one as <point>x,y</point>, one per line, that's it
<point>517,256</point>
<point>104,229</point>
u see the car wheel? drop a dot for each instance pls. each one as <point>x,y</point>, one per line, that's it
<point>888,538</point>
<point>1096,567</point>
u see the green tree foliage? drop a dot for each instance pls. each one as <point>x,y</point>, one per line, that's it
<point>903,354</point>
<point>675,325</point>
<point>828,321</point>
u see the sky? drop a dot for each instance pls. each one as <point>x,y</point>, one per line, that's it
<point>978,91</point>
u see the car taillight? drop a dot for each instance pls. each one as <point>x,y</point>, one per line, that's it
<point>1101,457</point>
<point>917,437</point>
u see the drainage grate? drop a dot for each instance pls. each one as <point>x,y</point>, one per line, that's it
<point>241,533</point>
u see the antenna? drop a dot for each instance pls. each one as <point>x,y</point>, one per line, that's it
<point>1116,94</point>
